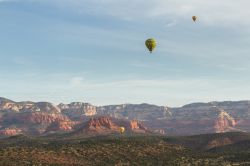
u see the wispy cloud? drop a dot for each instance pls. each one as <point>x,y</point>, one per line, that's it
<point>76,81</point>
<point>171,24</point>
<point>210,12</point>
<point>171,91</point>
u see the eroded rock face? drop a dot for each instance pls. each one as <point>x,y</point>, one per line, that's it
<point>224,122</point>
<point>61,126</point>
<point>34,118</point>
<point>8,106</point>
<point>33,123</point>
<point>133,111</point>
<point>236,109</point>
<point>134,124</point>
<point>103,125</point>
<point>10,131</point>
<point>196,118</point>
<point>77,109</point>
<point>11,106</point>
<point>47,107</point>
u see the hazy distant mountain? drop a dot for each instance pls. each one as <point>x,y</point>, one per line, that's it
<point>41,118</point>
<point>135,111</point>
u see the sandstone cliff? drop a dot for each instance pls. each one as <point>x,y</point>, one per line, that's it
<point>77,109</point>
<point>133,111</point>
<point>197,118</point>
<point>107,125</point>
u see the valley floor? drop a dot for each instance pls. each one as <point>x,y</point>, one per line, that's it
<point>127,150</point>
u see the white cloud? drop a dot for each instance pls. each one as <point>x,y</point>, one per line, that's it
<point>210,12</point>
<point>171,24</point>
<point>76,81</point>
<point>157,84</point>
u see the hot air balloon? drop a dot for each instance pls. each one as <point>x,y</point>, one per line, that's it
<point>122,130</point>
<point>151,44</point>
<point>194,18</point>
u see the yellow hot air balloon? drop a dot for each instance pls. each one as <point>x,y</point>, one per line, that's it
<point>194,18</point>
<point>122,130</point>
<point>151,44</point>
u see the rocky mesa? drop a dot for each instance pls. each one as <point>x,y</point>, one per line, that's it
<point>107,125</point>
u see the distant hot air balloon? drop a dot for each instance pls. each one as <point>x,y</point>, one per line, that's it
<point>151,44</point>
<point>121,130</point>
<point>194,18</point>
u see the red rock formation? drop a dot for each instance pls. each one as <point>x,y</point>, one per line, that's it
<point>100,123</point>
<point>134,125</point>
<point>10,132</point>
<point>61,126</point>
<point>191,119</point>
<point>35,118</point>
<point>11,106</point>
<point>224,123</point>
<point>104,125</point>
<point>36,123</point>
<point>77,109</point>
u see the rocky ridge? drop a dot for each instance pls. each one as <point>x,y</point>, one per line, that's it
<point>197,118</point>
<point>107,125</point>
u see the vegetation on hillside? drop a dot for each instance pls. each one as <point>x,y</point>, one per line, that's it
<point>124,150</point>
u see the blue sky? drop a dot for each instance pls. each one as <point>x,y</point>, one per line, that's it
<point>93,51</point>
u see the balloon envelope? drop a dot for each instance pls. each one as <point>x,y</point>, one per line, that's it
<point>122,130</point>
<point>194,18</point>
<point>151,44</point>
